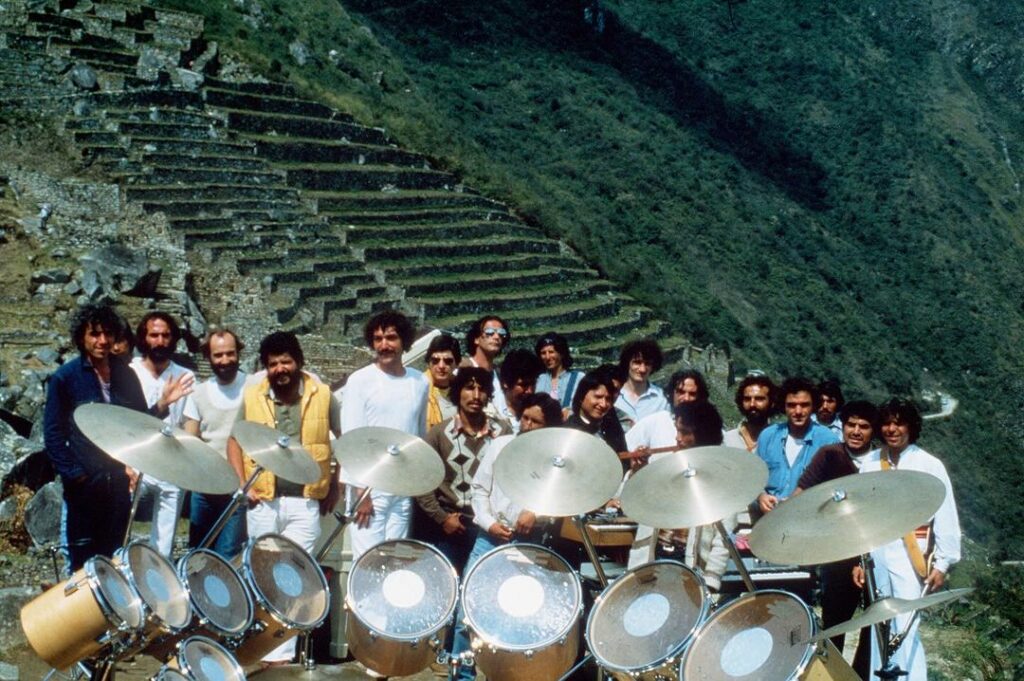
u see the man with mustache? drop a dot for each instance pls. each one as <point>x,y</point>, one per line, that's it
<point>157,336</point>
<point>755,398</point>
<point>304,409</point>
<point>384,394</point>
<point>210,412</point>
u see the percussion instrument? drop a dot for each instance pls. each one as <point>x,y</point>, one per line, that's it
<point>400,600</point>
<point>289,594</point>
<point>604,530</point>
<point>276,452</point>
<point>522,603</point>
<point>885,609</point>
<point>201,659</point>
<point>165,599</point>
<point>641,624</point>
<point>558,471</point>
<point>80,616</point>
<point>149,445</point>
<point>389,460</point>
<point>846,517</point>
<point>693,487</point>
<point>220,601</point>
<point>757,637</point>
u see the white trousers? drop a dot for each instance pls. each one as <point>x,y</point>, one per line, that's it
<point>297,519</point>
<point>392,516</point>
<point>899,579</point>
<point>167,500</point>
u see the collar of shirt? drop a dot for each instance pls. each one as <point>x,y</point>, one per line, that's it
<point>273,397</point>
<point>456,428</point>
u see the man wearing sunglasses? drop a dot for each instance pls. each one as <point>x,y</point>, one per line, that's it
<point>390,395</point>
<point>486,339</point>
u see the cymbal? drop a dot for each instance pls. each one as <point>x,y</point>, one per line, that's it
<point>558,471</point>
<point>692,487</point>
<point>389,460</point>
<point>273,450</point>
<point>846,517</point>
<point>149,445</point>
<point>885,609</point>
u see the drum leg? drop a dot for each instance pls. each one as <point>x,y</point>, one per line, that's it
<point>579,665</point>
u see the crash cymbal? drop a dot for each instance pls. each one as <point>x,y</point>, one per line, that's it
<point>283,456</point>
<point>322,672</point>
<point>693,487</point>
<point>389,460</point>
<point>885,609</point>
<point>558,471</point>
<point>149,445</point>
<point>846,517</point>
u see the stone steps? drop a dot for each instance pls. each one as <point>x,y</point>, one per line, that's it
<point>210,192</point>
<point>452,304</point>
<point>325,264</point>
<point>360,235</point>
<point>266,103</point>
<point>299,126</point>
<point>111,119</point>
<point>365,178</point>
<point>336,288</point>
<point>498,247</point>
<point>211,206</point>
<point>268,245</point>
<point>242,231</point>
<point>23,43</point>
<point>196,161</point>
<point>159,175</point>
<point>553,316</point>
<point>307,151</point>
<point>158,97</point>
<point>654,328</point>
<point>485,282</point>
<point>252,87</point>
<point>445,215</point>
<point>417,267</point>
<point>379,201</point>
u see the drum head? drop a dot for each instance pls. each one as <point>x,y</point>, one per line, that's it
<point>286,581</point>
<point>114,593</point>
<point>218,593</point>
<point>403,589</point>
<point>158,584</point>
<point>203,659</point>
<point>521,596</point>
<point>646,615</point>
<point>752,638</point>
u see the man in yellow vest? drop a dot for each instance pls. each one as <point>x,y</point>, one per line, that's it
<point>303,408</point>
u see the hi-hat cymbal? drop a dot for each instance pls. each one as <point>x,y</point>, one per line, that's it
<point>149,445</point>
<point>693,487</point>
<point>558,471</point>
<point>273,450</point>
<point>846,517</point>
<point>389,460</point>
<point>885,609</point>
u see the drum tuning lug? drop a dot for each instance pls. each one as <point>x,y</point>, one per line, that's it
<point>71,587</point>
<point>467,659</point>
<point>529,654</point>
<point>435,643</point>
<point>373,635</point>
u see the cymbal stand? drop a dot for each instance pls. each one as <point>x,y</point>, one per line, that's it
<point>889,671</point>
<point>588,545</point>
<point>735,555</point>
<point>166,431</point>
<point>899,638</point>
<point>237,499</point>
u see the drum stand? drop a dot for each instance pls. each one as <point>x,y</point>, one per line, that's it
<point>735,555</point>
<point>886,646</point>
<point>588,545</point>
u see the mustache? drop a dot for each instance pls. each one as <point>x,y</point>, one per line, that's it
<point>159,354</point>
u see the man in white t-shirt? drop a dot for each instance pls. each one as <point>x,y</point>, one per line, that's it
<point>210,413</point>
<point>157,336</point>
<point>390,395</point>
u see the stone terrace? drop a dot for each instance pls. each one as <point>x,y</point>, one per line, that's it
<point>328,217</point>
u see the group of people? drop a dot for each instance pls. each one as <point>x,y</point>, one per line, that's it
<point>473,398</point>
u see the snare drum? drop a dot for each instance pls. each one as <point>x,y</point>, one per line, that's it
<point>201,659</point>
<point>757,637</point>
<point>641,624</point>
<point>164,597</point>
<point>289,593</point>
<point>220,600</point>
<point>401,596</point>
<point>523,603</point>
<point>78,617</point>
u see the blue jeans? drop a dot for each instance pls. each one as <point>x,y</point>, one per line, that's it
<point>460,642</point>
<point>203,514</point>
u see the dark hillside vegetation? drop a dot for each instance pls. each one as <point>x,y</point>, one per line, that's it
<point>823,188</point>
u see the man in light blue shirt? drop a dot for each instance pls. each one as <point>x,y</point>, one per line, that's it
<point>788,447</point>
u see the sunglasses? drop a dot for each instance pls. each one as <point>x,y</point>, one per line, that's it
<point>491,331</point>
<point>448,361</point>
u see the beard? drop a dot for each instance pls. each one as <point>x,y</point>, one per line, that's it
<point>285,379</point>
<point>159,354</point>
<point>226,373</point>
<point>756,417</point>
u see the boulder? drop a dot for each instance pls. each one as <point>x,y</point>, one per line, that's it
<point>116,269</point>
<point>8,672</point>
<point>32,470</point>
<point>51,276</point>
<point>42,515</point>
<point>82,76</point>
<point>299,52</point>
<point>11,601</point>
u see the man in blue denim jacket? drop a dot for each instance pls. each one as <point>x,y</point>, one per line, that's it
<point>95,485</point>
<point>788,447</point>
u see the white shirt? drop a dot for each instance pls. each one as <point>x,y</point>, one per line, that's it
<point>153,387</point>
<point>218,418</point>
<point>490,504</point>
<point>655,430</point>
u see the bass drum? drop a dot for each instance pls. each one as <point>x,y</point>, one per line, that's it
<point>220,600</point>
<point>523,603</point>
<point>201,659</point>
<point>643,622</point>
<point>755,637</point>
<point>80,616</point>
<point>164,597</point>
<point>400,600</point>
<point>289,593</point>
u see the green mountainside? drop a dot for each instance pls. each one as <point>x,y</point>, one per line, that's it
<point>823,188</point>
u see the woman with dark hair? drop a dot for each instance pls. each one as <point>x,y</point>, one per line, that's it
<point>558,381</point>
<point>904,567</point>
<point>592,410</point>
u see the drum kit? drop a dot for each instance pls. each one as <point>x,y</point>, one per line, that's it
<point>523,604</point>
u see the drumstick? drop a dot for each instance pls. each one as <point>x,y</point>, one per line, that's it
<point>656,450</point>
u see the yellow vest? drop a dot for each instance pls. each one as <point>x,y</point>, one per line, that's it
<point>315,433</point>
